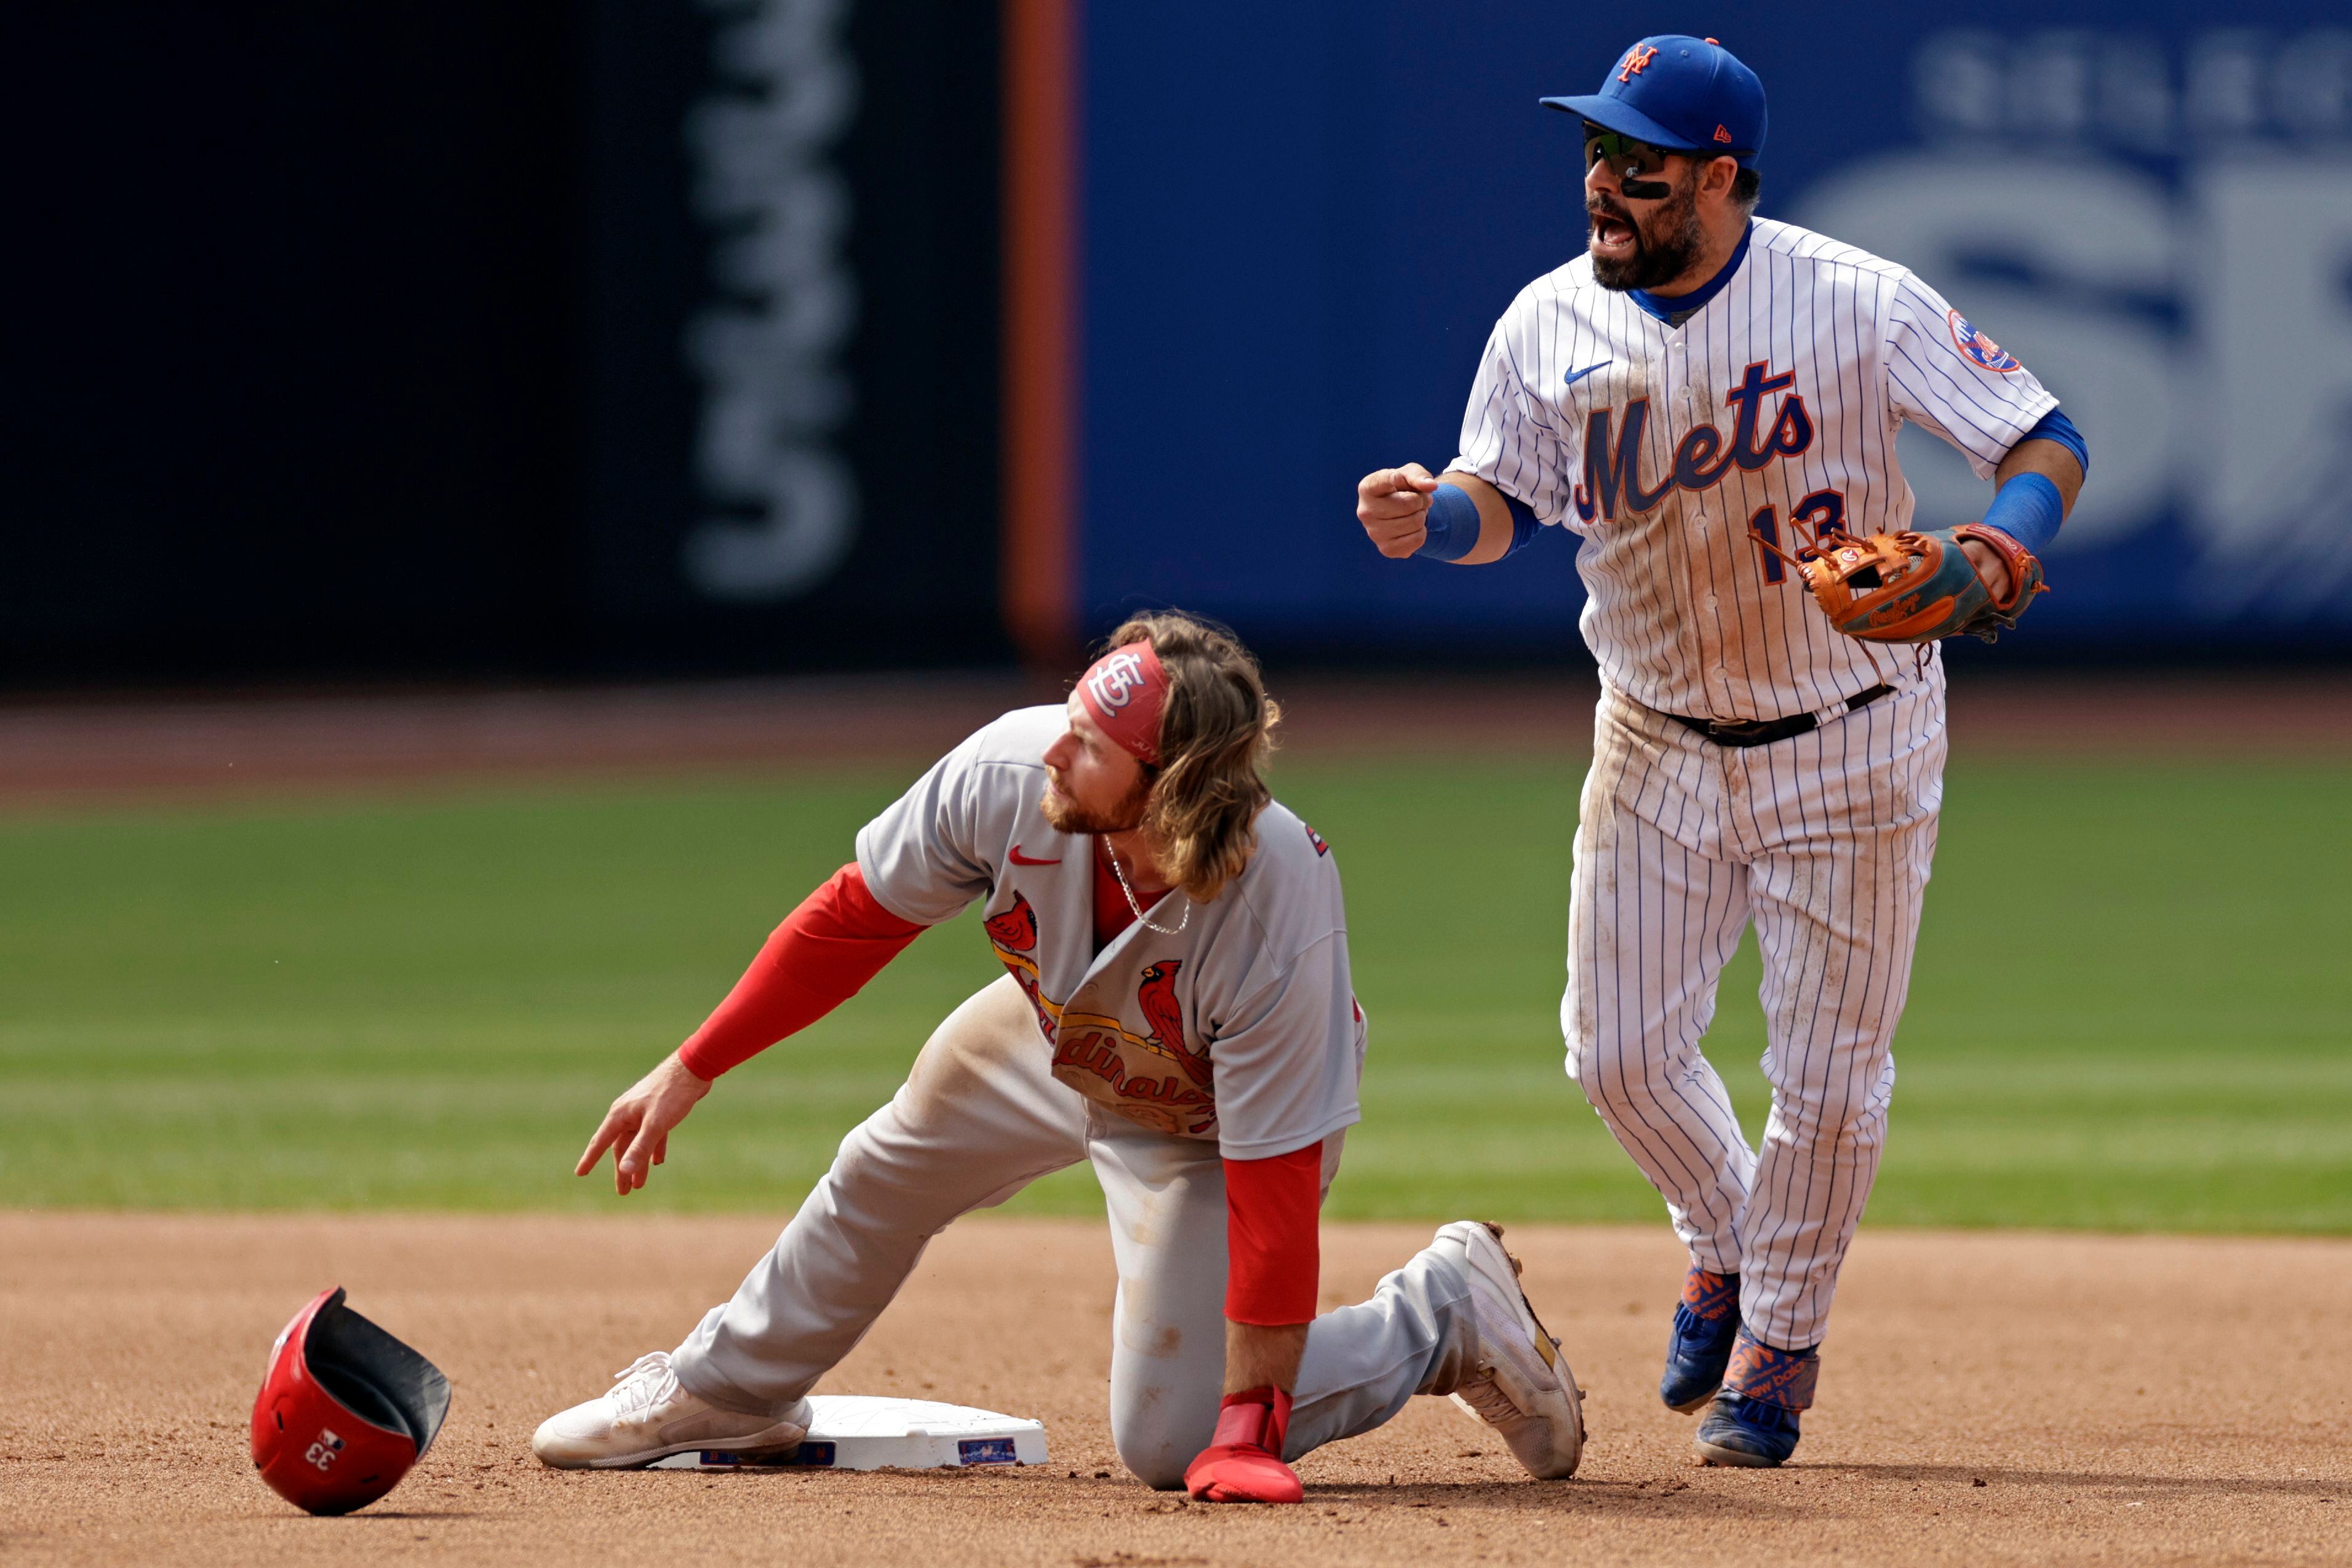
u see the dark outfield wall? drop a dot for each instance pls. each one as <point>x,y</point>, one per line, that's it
<point>530,337</point>
<point>621,337</point>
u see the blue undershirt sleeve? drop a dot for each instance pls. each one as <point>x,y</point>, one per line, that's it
<point>2056,426</point>
<point>1523,525</point>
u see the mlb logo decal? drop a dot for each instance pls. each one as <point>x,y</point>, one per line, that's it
<point>1979,348</point>
<point>987,1451</point>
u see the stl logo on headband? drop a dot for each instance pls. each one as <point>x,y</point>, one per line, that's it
<point>1123,691</point>
<point>1115,680</point>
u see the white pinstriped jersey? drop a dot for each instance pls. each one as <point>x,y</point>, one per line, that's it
<point>1771,410</point>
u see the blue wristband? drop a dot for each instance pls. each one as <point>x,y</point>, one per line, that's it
<point>1455,525</point>
<point>2028,509</point>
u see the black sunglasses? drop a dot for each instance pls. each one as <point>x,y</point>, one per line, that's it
<point>1638,165</point>
<point>1626,157</point>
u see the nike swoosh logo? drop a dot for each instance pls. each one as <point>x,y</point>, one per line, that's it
<point>1576,376</point>
<point>1020,859</point>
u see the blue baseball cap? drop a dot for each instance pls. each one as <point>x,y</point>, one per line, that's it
<point>1684,94</point>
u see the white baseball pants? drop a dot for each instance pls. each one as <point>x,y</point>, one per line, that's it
<point>981,1117</point>
<point>1825,842</point>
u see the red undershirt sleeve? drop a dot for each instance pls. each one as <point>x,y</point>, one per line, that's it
<point>824,953</point>
<point>1274,1261</point>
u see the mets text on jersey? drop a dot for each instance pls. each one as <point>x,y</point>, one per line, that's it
<point>1701,458</point>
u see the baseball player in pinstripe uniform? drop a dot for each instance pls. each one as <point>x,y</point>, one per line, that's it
<point>1709,401</point>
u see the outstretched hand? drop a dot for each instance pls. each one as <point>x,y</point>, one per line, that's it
<point>1394,505</point>
<point>637,1129</point>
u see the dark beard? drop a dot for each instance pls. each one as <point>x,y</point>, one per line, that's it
<point>1063,815</point>
<point>1663,252</point>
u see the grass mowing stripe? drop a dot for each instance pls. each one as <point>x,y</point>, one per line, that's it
<point>2119,1018</point>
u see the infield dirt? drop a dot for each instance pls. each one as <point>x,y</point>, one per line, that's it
<point>1987,1399</point>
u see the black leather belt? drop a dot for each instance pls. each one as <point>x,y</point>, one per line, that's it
<point>1765,731</point>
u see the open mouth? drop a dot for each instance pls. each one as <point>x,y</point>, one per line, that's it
<point>1611,234</point>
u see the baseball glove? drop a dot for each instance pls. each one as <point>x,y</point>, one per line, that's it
<point>1918,587</point>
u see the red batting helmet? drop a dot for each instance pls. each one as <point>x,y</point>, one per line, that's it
<point>344,1409</point>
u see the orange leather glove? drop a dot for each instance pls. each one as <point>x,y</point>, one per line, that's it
<point>1243,1463</point>
<point>1916,587</point>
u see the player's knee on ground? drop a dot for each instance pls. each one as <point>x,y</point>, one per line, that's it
<point>1154,1447</point>
<point>1153,1459</point>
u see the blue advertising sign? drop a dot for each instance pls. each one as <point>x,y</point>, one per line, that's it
<point>1302,220</point>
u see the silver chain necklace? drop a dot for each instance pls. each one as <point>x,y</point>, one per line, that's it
<point>1142,919</point>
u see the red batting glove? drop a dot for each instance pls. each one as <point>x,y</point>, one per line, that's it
<point>1243,1463</point>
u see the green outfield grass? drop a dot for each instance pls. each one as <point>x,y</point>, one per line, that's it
<point>2132,1005</point>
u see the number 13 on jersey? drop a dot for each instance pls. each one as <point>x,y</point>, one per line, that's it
<point>1817,514</point>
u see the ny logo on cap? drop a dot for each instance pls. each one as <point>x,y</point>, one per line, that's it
<point>1117,680</point>
<point>1637,60</point>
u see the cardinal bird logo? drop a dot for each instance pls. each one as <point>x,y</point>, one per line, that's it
<point>1014,933</point>
<point>1157,997</point>
<point>1016,928</point>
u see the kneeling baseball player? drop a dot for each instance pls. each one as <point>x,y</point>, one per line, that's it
<point>1177,1009</point>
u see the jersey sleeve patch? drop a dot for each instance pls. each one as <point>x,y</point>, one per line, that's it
<point>1317,840</point>
<point>1978,349</point>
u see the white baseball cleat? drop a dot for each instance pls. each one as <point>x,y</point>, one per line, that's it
<point>1521,1386</point>
<point>649,1415</point>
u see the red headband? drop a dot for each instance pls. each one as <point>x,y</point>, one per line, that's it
<point>1125,691</point>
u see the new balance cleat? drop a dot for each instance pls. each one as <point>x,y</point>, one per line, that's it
<point>1698,1348</point>
<point>649,1415</point>
<point>1519,1385</point>
<point>1745,1432</point>
<point>1753,1421</point>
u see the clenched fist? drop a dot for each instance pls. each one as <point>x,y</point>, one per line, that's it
<point>1394,505</point>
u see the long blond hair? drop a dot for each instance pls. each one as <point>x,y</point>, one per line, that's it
<point>1216,735</point>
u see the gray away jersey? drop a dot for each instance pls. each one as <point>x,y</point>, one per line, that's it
<point>1771,411</point>
<point>1243,1028</point>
